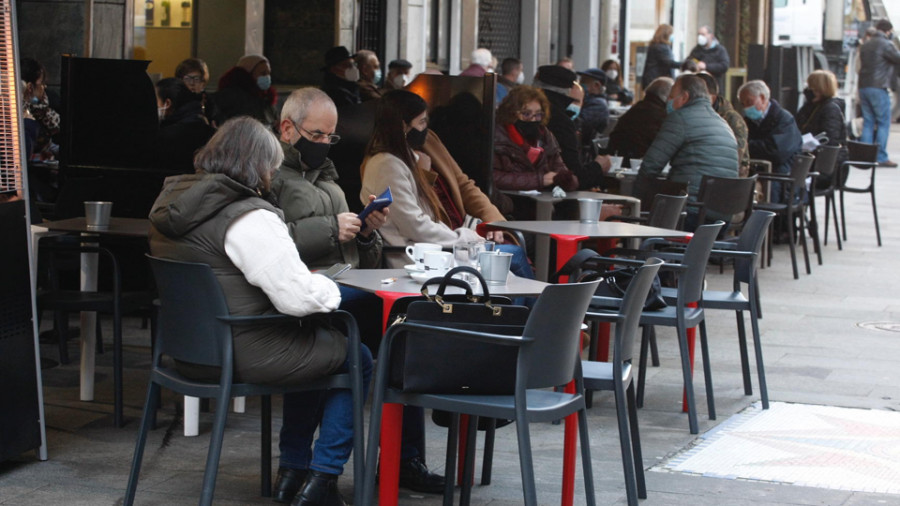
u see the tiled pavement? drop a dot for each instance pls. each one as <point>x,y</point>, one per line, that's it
<point>817,352</point>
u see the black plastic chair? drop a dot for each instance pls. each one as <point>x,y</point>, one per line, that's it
<point>792,207</point>
<point>745,253</point>
<point>617,376</point>
<point>725,197</point>
<point>825,168</point>
<point>64,300</point>
<point>666,211</point>
<point>648,187</point>
<point>548,357</point>
<point>195,327</point>
<point>864,157</point>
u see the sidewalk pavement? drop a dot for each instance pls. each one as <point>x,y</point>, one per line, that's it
<point>817,351</point>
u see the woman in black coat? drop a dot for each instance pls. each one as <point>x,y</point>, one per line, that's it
<point>824,113</point>
<point>660,60</point>
<point>615,89</point>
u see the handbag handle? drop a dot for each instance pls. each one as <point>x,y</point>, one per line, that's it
<point>443,282</point>
<point>449,279</point>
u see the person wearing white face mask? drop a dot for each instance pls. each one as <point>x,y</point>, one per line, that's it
<point>398,75</point>
<point>615,87</point>
<point>511,75</point>
<point>246,90</point>
<point>341,75</point>
<point>710,55</point>
<point>369,75</point>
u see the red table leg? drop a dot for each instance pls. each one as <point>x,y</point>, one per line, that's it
<point>691,339</point>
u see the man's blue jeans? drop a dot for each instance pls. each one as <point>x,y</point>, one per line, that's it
<point>332,411</point>
<point>876,110</point>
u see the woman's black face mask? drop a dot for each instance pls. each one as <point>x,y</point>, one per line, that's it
<point>416,138</point>
<point>530,130</point>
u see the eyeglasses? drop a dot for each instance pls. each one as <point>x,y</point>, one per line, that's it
<point>319,136</point>
<point>193,80</point>
<point>531,116</point>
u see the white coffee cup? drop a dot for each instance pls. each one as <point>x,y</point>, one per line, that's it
<point>438,261</point>
<point>615,163</point>
<point>636,164</point>
<point>416,252</point>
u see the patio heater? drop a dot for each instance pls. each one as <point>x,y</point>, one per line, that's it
<point>21,401</point>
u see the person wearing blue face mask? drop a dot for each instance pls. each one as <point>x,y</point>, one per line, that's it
<point>694,140</point>
<point>772,133</point>
<point>246,90</point>
<point>369,75</point>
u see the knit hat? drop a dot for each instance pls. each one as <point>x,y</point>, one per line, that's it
<point>250,61</point>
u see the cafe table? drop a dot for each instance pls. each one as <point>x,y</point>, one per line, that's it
<point>135,228</point>
<point>545,203</point>
<point>390,285</point>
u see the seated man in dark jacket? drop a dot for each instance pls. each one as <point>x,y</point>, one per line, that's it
<point>595,109</point>
<point>556,82</point>
<point>341,76</point>
<point>636,129</point>
<point>694,140</point>
<point>772,133</point>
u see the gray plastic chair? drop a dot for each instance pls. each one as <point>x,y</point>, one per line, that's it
<point>195,327</point>
<point>617,376</point>
<point>548,357</point>
<point>864,157</point>
<point>746,255</point>
<point>825,169</point>
<point>667,212</point>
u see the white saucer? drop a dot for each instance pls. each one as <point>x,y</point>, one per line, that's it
<point>423,276</point>
<point>411,268</point>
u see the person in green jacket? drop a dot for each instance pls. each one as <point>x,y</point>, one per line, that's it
<point>693,139</point>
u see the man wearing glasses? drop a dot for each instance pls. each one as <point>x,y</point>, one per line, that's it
<point>325,232</point>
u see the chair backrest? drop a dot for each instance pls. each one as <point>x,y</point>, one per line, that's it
<point>666,211</point>
<point>726,196</point>
<point>191,299</point>
<point>826,161</point>
<point>555,325</point>
<point>631,309</point>
<point>648,187</point>
<point>751,240</point>
<point>862,152</point>
<point>696,255</point>
<point>800,167</point>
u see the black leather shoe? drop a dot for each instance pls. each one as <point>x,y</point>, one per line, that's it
<point>320,489</point>
<point>288,483</point>
<point>415,476</point>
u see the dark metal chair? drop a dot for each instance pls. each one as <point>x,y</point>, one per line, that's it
<point>548,356</point>
<point>618,376</point>
<point>862,156</point>
<point>195,327</point>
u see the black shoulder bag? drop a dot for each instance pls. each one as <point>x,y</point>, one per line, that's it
<point>587,266</point>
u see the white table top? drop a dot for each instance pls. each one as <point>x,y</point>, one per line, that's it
<point>370,280</point>
<point>600,230</point>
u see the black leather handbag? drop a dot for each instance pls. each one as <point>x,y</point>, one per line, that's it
<point>427,363</point>
<point>586,265</point>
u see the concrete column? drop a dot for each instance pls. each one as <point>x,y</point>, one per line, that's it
<point>412,33</point>
<point>346,24</point>
<point>528,45</point>
<point>255,26</point>
<point>454,65</point>
<point>609,21</point>
<point>545,31</point>
<point>391,25</point>
<point>585,33</point>
<point>468,33</point>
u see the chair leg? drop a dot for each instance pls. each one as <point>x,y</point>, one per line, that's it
<point>642,371</point>
<point>801,232</point>
<point>265,468</point>
<point>843,218</point>
<point>118,417</point>
<point>636,442</point>
<point>586,464</point>
<point>837,233</point>
<point>760,368</point>
<point>745,359</point>
<point>827,210</point>
<point>707,372</point>
<point>813,227</point>
<point>468,476</point>
<point>688,380</point>
<point>654,349</point>
<point>223,402</point>
<point>875,214</point>
<point>150,408</point>
<point>628,464</point>
<point>488,460</point>
<point>450,462</point>
<point>793,230</point>
<point>526,462</point>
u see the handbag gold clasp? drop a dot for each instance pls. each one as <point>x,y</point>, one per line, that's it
<point>445,307</point>
<point>496,311</point>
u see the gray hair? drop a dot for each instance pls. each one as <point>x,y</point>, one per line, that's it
<point>755,88</point>
<point>549,87</point>
<point>242,149</point>
<point>482,56</point>
<point>661,87</point>
<point>693,85</point>
<point>297,105</point>
<point>363,57</point>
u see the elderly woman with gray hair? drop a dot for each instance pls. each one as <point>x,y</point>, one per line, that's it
<point>220,216</point>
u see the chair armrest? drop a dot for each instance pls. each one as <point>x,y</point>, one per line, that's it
<point>267,319</point>
<point>859,165</point>
<point>774,177</point>
<point>621,261</point>
<point>468,335</point>
<point>606,302</point>
<point>605,316</point>
<point>732,254</point>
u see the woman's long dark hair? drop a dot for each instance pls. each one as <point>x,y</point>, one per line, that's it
<point>394,109</point>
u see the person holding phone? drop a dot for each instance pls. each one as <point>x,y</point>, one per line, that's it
<point>322,227</point>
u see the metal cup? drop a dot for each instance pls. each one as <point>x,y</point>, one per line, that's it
<point>495,266</point>
<point>589,210</point>
<point>97,214</point>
